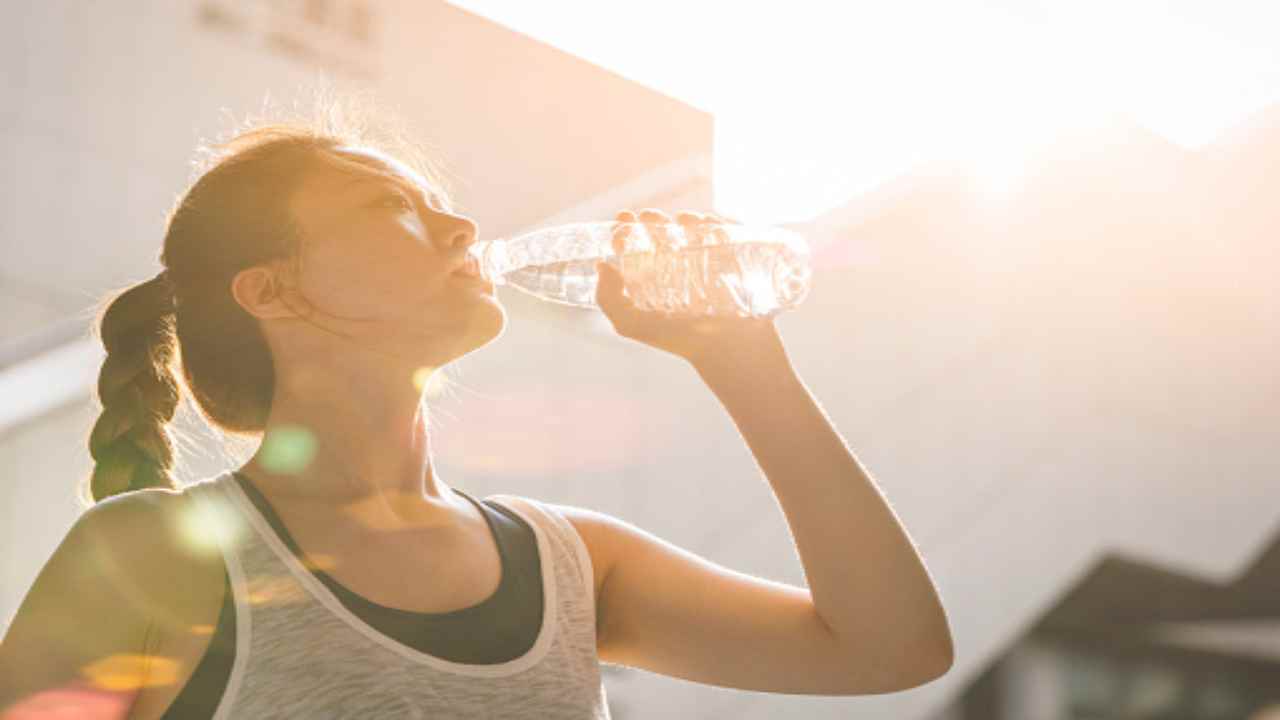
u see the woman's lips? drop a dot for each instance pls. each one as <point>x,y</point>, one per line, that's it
<point>470,267</point>
<point>473,280</point>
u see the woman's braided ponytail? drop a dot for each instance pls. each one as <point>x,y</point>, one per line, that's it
<point>130,443</point>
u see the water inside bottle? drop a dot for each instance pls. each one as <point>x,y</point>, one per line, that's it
<point>744,279</point>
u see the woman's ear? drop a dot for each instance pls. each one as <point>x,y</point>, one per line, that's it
<point>258,290</point>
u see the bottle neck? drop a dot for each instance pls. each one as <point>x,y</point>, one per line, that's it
<point>491,256</point>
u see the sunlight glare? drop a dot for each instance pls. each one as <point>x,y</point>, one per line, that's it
<point>816,102</point>
<point>130,672</point>
<point>204,527</point>
<point>319,561</point>
<point>429,380</point>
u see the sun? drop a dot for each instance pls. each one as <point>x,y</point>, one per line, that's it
<point>818,102</point>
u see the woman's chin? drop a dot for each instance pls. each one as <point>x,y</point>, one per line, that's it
<point>498,326</point>
<point>485,325</point>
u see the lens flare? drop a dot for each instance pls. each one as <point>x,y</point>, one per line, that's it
<point>288,449</point>
<point>130,672</point>
<point>206,527</point>
<point>319,561</point>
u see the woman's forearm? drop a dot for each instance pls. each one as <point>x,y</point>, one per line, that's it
<point>866,579</point>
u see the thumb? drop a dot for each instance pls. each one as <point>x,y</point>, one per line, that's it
<point>609,286</point>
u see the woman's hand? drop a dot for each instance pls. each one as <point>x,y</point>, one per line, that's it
<point>709,343</point>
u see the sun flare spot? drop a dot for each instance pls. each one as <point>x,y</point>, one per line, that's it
<point>319,561</point>
<point>206,527</point>
<point>288,449</point>
<point>427,380</point>
<point>130,672</point>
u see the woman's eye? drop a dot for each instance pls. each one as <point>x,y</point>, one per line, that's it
<point>396,201</point>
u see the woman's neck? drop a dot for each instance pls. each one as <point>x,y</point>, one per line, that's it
<point>363,453</point>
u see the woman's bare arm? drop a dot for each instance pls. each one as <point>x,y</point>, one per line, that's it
<point>85,630</point>
<point>868,583</point>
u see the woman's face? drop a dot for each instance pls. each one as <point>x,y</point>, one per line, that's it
<point>380,250</point>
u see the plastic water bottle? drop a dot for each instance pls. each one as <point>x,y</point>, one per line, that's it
<point>741,270</point>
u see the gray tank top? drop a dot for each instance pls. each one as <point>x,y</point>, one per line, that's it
<point>301,654</point>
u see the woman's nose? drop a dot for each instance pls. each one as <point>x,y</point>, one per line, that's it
<point>456,234</point>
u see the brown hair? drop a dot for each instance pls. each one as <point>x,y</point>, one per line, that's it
<point>234,216</point>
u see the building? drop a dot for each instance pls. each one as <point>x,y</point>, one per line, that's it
<point>1133,638</point>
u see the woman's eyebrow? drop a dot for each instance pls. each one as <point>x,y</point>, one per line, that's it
<point>432,199</point>
<point>383,180</point>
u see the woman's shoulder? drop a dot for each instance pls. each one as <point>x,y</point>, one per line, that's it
<point>155,539</point>
<point>149,503</point>
<point>594,529</point>
<point>123,582</point>
<point>580,519</point>
<point>154,519</point>
<point>163,519</point>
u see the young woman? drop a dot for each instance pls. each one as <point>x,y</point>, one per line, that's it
<point>311,281</point>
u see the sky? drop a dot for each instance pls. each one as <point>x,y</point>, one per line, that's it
<point>816,102</point>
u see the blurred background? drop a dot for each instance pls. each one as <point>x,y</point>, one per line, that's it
<point>1043,314</point>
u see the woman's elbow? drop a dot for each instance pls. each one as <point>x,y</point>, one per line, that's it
<point>931,668</point>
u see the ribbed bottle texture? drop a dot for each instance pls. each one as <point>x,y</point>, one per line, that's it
<point>737,270</point>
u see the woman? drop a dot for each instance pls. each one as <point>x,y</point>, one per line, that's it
<point>311,283</point>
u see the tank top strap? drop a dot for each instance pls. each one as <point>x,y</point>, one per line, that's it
<point>560,527</point>
<point>219,524</point>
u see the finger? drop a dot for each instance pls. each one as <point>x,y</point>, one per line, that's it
<point>715,230</point>
<point>610,297</point>
<point>657,221</point>
<point>606,284</point>
<point>693,224</point>
<point>621,230</point>
<point>654,215</point>
<point>618,239</point>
